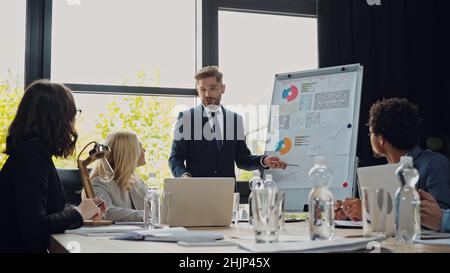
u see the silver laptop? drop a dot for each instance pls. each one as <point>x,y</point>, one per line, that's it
<point>382,176</point>
<point>200,202</point>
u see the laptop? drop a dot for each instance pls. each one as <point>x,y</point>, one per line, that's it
<point>382,176</point>
<point>200,202</point>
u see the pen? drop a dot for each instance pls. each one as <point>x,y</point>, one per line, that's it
<point>287,164</point>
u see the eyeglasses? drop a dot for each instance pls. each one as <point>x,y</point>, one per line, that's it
<point>78,112</point>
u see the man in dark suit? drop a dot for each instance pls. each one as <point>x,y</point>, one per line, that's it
<point>209,139</point>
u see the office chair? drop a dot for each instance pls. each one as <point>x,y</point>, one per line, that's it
<point>243,189</point>
<point>71,180</point>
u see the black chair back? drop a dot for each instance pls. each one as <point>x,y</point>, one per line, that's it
<point>242,187</point>
<point>71,180</point>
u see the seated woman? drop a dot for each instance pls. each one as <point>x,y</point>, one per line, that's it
<point>32,204</point>
<point>124,195</point>
<point>394,126</point>
<point>431,215</point>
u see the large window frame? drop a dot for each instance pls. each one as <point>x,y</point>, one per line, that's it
<point>38,57</point>
<point>38,41</point>
<point>210,15</point>
<point>39,37</point>
<point>38,48</point>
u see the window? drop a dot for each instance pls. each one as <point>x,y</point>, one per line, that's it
<point>253,47</point>
<point>114,53</point>
<point>151,118</point>
<point>109,42</point>
<point>105,49</point>
<point>12,56</point>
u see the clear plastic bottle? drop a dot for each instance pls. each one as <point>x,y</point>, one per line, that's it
<point>268,181</point>
<point>152,182</point>
<point>407,202</point>
<point>147,204</point>
<point>255,183</point>
<point>321,201</point>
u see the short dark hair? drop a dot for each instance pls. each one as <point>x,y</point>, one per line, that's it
<point>397,120</point>
<point>46,113</point>
<point>209,71</point>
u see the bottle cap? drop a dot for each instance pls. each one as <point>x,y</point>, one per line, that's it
<point>320,160</point>
<point>407,161</point>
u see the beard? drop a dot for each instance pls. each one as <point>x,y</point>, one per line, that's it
<point>212,101</point>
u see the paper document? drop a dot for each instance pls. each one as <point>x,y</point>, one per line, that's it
<point>103,231</point>
<point>130,224</point>
<point>434,242</point>
<point>203,244</point>
<point>347,224</point>
<point>337,245</point>
<point>285,238</point>
<point>171,235</point>
<point>429,235</point>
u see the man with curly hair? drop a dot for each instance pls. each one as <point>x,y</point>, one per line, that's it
<point>394,130</point>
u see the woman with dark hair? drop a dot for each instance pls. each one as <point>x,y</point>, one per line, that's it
<point>32,205</point>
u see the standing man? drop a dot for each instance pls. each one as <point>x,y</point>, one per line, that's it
<point>209,139</point>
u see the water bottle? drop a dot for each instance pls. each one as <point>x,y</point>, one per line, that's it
<point>268,182</point>
<point>152,182</point>
<point>147,204</point>
<point>321,202</point>
<point>255,183</point>
<point>407,202</point>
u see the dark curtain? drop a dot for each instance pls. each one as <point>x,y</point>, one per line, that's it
<point>403,46</point>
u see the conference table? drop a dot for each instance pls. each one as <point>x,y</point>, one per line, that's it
<point>65,243</point>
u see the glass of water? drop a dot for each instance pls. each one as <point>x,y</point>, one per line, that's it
<point>267,202</point>
<point>159,203</point>
<point>374,207</point>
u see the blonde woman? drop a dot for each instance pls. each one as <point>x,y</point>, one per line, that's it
<point>124,195</point>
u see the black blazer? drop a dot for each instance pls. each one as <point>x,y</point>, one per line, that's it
<point>199,155</point>
<point>32,205</point>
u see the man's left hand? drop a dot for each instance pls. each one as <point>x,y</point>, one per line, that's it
<point>352,207</point>
<point>274,162</point>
